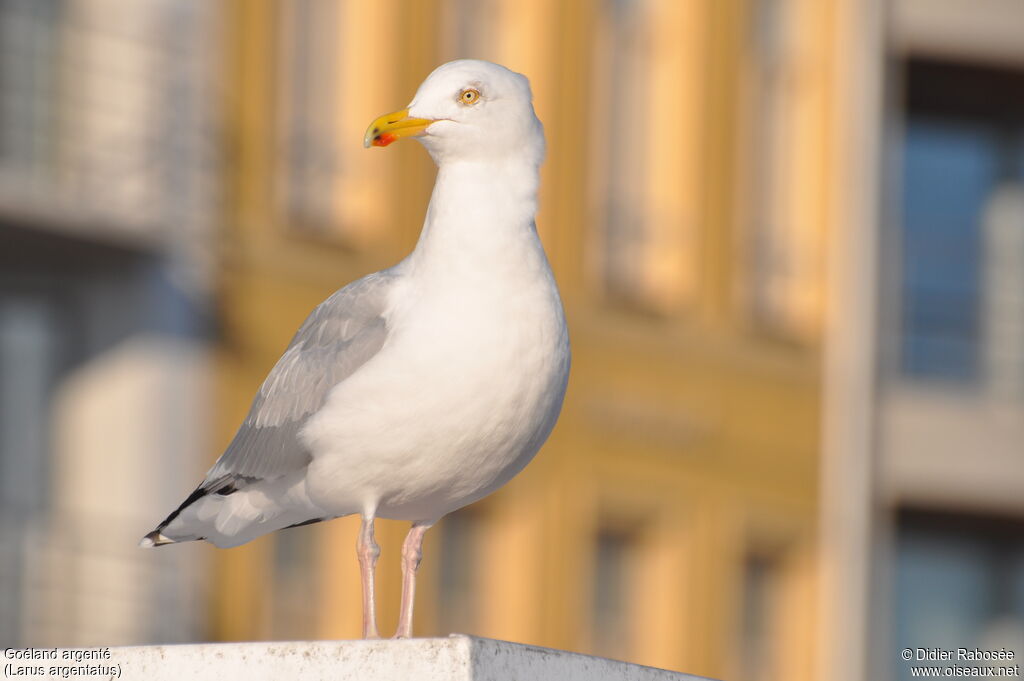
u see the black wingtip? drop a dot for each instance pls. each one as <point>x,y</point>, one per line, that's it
<point>154,539</point>
<point>223,485</point>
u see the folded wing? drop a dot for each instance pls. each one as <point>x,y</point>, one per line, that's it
<point>339,336</point>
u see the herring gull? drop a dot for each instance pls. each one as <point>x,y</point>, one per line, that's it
<point>419,389</point>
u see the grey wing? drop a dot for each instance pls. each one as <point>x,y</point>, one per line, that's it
<point>337,338</point>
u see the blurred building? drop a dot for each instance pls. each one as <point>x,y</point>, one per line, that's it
<point>790,239</point>
<point>950,478</point>
<point>924,422</point>
<point>107,204</point>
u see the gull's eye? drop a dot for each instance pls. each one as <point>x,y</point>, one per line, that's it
<point>469,96</point>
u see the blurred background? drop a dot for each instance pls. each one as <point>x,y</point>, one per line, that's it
<point>790,239</point>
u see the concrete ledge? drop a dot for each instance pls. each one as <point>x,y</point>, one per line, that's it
<point>457,658</point>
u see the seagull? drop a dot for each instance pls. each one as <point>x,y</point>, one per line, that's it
<point>422,388</point>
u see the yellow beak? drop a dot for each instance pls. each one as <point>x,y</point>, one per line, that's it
<point>393,126</point>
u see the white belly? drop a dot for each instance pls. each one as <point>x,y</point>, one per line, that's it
<point>457,402</point>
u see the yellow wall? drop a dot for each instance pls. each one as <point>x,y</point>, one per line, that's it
<point>689,427</point>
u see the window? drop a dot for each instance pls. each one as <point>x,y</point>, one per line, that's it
<point>958,158</point>
<point>783,206</point>
<point>28,35</point>
<point>647,64</point>
<point>334,75</point>
<point>294,590</point>
<point>758,644</point>
<point>949,169</point>
<point>611,612</point>
<point>767,255</point>
<point>459,574</point>
<point>309,86</point>
<point>468,29</point>
<point>959,583</point>
<point>28,367</point>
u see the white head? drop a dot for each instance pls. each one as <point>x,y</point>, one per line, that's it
<point>468,110</point>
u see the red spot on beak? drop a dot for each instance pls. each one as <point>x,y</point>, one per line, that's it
<point>384,139</point>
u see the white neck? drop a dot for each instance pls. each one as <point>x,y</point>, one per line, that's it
<point>481,214</point>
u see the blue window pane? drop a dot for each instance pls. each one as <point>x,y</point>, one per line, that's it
<point>949,171</point>
<point>941,588</point>
<point>959,582</point>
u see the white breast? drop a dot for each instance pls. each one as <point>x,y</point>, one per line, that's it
<point>463,394</point>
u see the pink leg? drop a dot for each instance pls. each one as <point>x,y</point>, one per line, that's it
<point>412,552</point>
<point>368,551</point>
